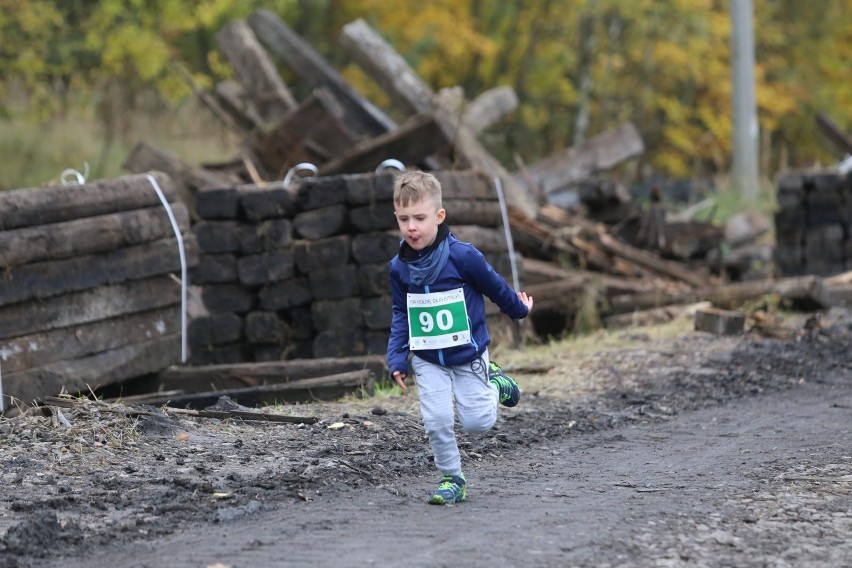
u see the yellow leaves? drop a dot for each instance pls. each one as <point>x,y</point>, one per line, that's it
<point>128,46</point>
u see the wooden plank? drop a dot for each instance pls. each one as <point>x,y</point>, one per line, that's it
<point>88,306</point>
<point>417,138</point>
<point>55,204</point>
<point>51,278</point>
<point>89,235</point>
<point>305,61</point>
<point>94,371</point>
<point>312,132</point>
<point>328,387</point>
<point>255,71</point>
<point>223,377</point>
<point>39,349</point>
<point>574,164</point>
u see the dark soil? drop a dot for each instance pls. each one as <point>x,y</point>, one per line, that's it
<point>695,451</point>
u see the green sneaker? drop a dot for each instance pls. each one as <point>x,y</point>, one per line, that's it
<point>510,392</point>
<point>451,490</point>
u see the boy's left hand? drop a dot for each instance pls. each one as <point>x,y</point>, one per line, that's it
<point>526,300</point>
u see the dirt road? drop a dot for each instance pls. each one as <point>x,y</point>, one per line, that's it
<point>712,454</point>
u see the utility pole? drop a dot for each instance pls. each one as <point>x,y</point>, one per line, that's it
<point>744,174</point>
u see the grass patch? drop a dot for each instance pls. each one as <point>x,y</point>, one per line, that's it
<point>36,153</point>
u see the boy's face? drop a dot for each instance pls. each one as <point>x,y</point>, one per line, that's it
<point>418,222</point>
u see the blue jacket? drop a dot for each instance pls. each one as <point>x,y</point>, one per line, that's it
<point>467,269</point>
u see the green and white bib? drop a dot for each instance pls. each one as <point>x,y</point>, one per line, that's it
<point>437,320</point>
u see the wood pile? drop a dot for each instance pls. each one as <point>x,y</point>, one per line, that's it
<point>813,224</point>
<point>87,296</point>
<point>292,272</point>
<point>301,272</point>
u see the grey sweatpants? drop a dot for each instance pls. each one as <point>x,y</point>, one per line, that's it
<point>475,400</point>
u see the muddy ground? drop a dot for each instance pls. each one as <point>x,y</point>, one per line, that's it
<point>691,451</point>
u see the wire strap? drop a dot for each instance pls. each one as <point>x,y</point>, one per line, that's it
<point>176,229</point>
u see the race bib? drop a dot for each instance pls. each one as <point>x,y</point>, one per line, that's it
<point>437,320</point>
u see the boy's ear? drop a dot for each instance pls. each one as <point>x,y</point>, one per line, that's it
<point>442,214</point>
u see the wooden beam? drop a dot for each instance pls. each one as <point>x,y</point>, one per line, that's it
<point>54,277</point>
<point>411,143</point>
<point>361,115</point>
<point>224,377</point>
<point>489,107</point>
<point>94,371</point>
<point>89,235</point>
<point>88,306</point>
<point>41,348</point>
<point>575,164</point>
<point>315,388</point>
<point>54,204</point>
<point>312,132</point>
<point>255,71</point>
<point>402,84</point>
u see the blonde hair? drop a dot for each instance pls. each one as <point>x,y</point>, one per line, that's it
<point>414,187</point>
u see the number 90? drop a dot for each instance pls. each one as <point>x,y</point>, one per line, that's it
<point>444,321</point>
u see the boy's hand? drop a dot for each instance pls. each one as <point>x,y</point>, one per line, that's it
<point>399,377</point>
<point>526,300</point>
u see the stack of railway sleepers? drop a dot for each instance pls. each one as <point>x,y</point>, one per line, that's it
<point>301,272</point>
<point>813,223</point>
<point>88,295</point>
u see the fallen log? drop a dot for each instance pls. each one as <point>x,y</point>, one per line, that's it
<point>361,115</point>
<point>88,306</point>
<point>416,139</point>
<point>55,204</point>
<point>89,235</point>
<point>55,277</point>
<point>41,348</point>
<point>255,71</point>
<point>328,387</point>
<point>223,377</point>
<point>580,162</point>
